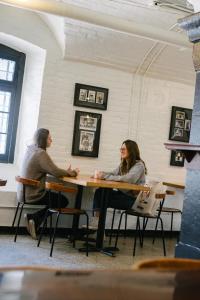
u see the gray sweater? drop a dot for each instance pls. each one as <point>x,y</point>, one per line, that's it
<point>135,175</point>
<point>36,165</point>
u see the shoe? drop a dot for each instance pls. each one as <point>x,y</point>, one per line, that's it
<point>32,229</point>
<point>93,223</point>
<point>26,219</point>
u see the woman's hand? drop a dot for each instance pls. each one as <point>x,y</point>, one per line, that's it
<point>77,170</point>
<point>70,170</point>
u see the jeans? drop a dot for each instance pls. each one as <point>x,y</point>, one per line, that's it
<point>117,200</point>
<point>38,216</point>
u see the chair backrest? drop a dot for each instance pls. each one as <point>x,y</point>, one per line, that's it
<point>148,202</point>
<point>26,182</point>
<point>168,264</point>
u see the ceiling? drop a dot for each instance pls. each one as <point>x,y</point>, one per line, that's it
<point>135,53</point>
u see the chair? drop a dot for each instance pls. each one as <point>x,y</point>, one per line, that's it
<point>172,211</point>
<point>25,182</point>
<point>168,264</point>
<point>50,186</point>
<point>147,213</point>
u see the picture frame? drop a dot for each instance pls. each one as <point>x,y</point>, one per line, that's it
<point>180,124</point>
<point>90,96</point>
<point>86,136</point>
<point>177,158</point>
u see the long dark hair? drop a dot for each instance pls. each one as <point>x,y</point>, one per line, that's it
<point>40,138</point>
<point>134,156</point>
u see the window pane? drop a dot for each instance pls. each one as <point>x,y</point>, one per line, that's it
<point>3,143</point>
<point>5,101</point>
<point>3,122</point>
<point>7,69</point>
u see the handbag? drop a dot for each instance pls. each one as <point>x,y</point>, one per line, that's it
<point>146,201</point>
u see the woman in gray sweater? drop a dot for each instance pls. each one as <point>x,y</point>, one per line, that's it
<point>132,169</point>
<point>36,165</point>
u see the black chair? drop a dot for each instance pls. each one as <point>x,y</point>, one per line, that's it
<point>22,203</point>
<point>172,211</point>
<point>50,186</point>
<point>140,230</point>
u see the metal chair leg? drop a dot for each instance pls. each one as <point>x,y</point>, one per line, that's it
<point>74,233</point>
<point>16,211</point>
<point>172,219</point>
<point>54,233</point>
<point>19,219</point>
<point>87,246</point>
<point>163,239</point>
<point>50,228</point>
<point>117,236</point>
<point>125,225</point>
<point>43,227</point>
<point>154,237</point>
<point>135,239</point>
<point>141,232</point>
<point>113,218</point>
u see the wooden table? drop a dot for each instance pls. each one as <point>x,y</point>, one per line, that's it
<point>88,182</point>
<point>98,285</point>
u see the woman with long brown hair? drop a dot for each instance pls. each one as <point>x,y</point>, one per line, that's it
<point>132,169</point>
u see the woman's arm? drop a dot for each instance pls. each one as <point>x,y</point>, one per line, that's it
<point>49,167</point>
<point>107,174</point>
<point>133,176</point>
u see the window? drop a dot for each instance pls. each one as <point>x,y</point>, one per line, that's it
<point>11,76</point>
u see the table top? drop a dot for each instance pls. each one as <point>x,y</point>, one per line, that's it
<point>100,284</point>
<point>87,181</point>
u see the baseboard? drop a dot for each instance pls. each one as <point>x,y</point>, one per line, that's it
<point>147,233</point>
<point>63,232</point>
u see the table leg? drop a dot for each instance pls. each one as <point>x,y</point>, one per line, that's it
<point>101,227</point>
<point>78,202</point>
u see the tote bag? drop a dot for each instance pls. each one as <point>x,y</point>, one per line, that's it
<point>146,202</point>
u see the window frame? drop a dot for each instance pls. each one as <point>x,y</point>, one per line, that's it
<point>15,87</point>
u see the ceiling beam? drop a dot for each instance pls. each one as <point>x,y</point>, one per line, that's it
<point>82,14</point>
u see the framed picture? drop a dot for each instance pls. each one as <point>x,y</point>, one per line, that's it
<point>180,124</point>
<point>86,135</point>
<point>90,96</point>
<point>177,158</point>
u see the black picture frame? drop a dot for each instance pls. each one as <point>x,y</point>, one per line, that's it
<point>177,158</point>
<point>90,96</point>
<point>86,137</point>
<point>180,124</point>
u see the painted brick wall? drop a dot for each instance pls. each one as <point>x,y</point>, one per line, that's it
<point>138,108</point>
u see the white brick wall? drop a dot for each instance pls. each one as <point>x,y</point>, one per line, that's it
<point>138,108</point>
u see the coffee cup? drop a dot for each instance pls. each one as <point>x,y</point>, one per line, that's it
<point>96,174</point>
